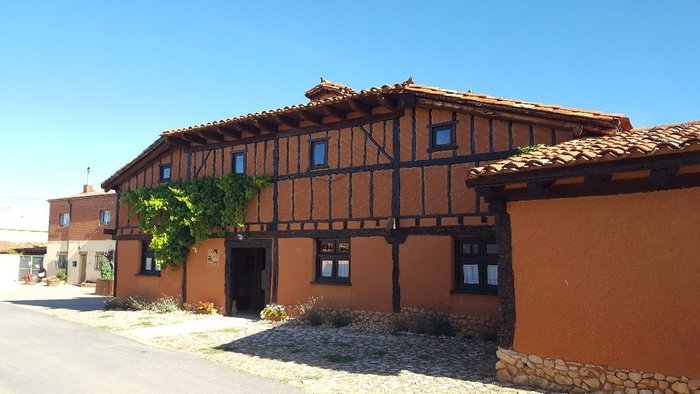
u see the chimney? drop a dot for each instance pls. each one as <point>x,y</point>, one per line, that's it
<point>87,187</point>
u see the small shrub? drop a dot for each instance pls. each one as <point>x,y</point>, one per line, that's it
<point>61,275</point>
<point>117,304</point>
<point>165,304</point>
<point>339,318</point>
<point>315,318</point>
<point>434,323</point>
<point>304,308</point>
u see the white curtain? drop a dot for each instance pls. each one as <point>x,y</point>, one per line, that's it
<point>492,272</point>
<point>471,274</point>
<point>327,268</point>
<point>343,268</point>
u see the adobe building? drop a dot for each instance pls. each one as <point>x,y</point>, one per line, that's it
<point>80,228</point>
<point>367,209</point>
<point>598,272</point>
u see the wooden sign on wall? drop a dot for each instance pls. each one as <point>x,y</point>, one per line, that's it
<point>213,257</point>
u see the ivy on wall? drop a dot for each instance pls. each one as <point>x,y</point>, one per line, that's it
<point>182,214</point>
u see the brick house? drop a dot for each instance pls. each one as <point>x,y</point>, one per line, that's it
<point>368,207</point>
<point>598,269</point>
<point>79,227</point>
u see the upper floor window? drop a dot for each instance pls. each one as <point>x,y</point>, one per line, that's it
<point>318,153</point>
<point>148,261</point>
<point>165,173</point>
<point>105,217</point>
<point>238,162</point>
<point>333,261</point>
<point>442,136</point>
<point>64,219</point>
<point>476,265</point>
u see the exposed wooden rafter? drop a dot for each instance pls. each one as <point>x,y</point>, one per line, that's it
<point>178,141</point>
<point>287,121</point>
<point>228,130</point>
<point>265,125</point>
<point>330,110</point>
<point>212,135</point>
<point>194,138</point>
<point>311,117</point>
<point>388,102</point>
<point>360,107</point>
<point>247,128</point>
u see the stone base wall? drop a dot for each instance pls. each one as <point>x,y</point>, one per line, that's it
<point>561,375</point>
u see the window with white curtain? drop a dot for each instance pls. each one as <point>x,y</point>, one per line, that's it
<point>476,265</point>
<point>333,261</point>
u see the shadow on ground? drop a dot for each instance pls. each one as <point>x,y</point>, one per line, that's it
<point>81,304</point>
<point>379,354</point>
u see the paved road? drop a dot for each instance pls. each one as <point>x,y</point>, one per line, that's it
<point>40,353</point>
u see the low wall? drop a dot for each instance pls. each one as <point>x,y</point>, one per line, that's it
<point>562,375</point>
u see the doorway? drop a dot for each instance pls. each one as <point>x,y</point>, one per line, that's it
<point>83,267</point>
<point>248,278</point>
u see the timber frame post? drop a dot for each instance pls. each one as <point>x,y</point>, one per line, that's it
<point>506,279</point>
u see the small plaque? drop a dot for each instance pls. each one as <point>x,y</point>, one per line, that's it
<point>213,257</point>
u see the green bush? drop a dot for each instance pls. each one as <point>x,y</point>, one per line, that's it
<point>61,275</point>
<point>136,303</point>
<point>433,323</point>
<point>339,318</point>
<point>106,269</point>
<point>314,317</point>
<point>400,323</point>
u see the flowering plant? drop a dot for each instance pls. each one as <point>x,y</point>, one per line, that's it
<point>26,277</point>
<point>206,306</point>
<point>273,312</point>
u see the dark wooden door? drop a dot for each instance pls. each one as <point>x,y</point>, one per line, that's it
<point>248,265</point>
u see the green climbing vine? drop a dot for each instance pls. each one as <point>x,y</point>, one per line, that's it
<point>181,214</point>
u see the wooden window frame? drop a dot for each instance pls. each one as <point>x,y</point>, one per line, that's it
<point>98,259</point>
<point>481,259</point>
<point>233,161</point>
<point>161,177</point>
<point>60,219</point>
<point>102,223</point>
<point>145,253</point>
<point>334,256</point>
<point>312,143</point>
<point>432,135</point>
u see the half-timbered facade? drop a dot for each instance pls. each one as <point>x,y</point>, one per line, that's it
<point>368,207</point>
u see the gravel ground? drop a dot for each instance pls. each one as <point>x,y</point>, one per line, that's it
<point>317,359</point>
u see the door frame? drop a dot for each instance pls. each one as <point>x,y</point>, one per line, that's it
<point>230,244</point>
<point>82,267</point>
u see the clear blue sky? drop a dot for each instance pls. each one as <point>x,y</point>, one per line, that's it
<point>92,83</point>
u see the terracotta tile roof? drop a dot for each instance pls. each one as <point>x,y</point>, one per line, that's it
<point>425,91</point>
<point>658,140</point>
<point>329,86</point>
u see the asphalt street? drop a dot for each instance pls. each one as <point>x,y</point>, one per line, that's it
<point>43,354</point>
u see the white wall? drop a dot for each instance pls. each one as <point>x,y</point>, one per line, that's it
<point>9,268</point>
<point>74,250</point>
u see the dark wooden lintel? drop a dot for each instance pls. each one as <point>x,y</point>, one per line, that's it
<point>539,186</point>
<point>661,177</point>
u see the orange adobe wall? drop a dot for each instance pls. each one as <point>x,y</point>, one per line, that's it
<point>204,282</point>
<point>610,280</point>
<point>427,275</point>
<point>129,282</point>
<point>370,275</point>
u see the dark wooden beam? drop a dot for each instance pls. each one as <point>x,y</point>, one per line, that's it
<point>287,121</point>
<point>311,117</point>
<point>194,138</point>
<point>360,107</point>
<point>265,125</point>
<point>178,141</point>
<point>212,135</point>
<point>388,101</point>
<point>330,110</point>
<point>228,130</point>
<point>661,177</point>
<point>247,128</point>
